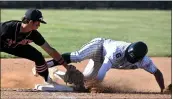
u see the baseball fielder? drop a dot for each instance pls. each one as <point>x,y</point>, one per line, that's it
<point>16,36</point>
<point>105,54</point>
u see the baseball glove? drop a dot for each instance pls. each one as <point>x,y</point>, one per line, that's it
<point>73,76</point>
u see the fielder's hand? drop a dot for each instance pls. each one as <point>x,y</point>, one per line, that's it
<point>73,76</point>
<point>71,68</point>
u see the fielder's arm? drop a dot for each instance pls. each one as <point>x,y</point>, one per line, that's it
<point>54,54</point>
<point>149,66</point>
<point>159,78</point>
<point>53,62</point>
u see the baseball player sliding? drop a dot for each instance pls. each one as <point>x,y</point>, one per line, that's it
<point>105,54</point>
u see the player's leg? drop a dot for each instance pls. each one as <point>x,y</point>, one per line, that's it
<point>91,50</point>
<point>32,54</point>
<point>90,73</point>
<point>91,70</point>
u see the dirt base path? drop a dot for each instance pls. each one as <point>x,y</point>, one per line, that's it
<point>16,73</point>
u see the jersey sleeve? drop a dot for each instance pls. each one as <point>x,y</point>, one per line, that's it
<point>4,29</point>
<point>148,65</point>
<point>104,68</point>
<point>38,38</point>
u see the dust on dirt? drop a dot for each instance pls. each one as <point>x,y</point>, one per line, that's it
<point>16,73</point>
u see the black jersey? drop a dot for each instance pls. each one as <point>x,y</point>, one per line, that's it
<point>12,37</point>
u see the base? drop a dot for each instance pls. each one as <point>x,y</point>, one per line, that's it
<point>53,87</point>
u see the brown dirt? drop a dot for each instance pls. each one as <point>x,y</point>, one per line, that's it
<point>16,73</point>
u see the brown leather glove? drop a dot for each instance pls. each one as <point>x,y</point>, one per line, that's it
<point>74,76</point>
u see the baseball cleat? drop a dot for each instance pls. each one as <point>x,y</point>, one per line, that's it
<point>56,74</point>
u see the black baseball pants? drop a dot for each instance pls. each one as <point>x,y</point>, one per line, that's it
<point>31,53</point>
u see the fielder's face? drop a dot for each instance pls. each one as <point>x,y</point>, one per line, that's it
<point>33,25</point>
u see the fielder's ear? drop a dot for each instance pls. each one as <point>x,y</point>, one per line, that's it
<point>31,22</point>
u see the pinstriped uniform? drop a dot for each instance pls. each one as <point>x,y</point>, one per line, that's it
<point>105,54</point>
<point>93,51</point>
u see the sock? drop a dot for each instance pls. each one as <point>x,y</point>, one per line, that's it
<point>44,74</point>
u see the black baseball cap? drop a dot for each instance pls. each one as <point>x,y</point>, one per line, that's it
<point>35,15</point>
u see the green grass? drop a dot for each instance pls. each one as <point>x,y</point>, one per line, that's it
<point>68,30</point>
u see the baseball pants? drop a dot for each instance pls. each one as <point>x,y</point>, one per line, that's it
<point>29,52</point>
<point>93,50</point>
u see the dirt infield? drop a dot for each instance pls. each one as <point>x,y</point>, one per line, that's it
<point>16,73</point>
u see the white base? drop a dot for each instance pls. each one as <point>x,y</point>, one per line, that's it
<point>53,87</point>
